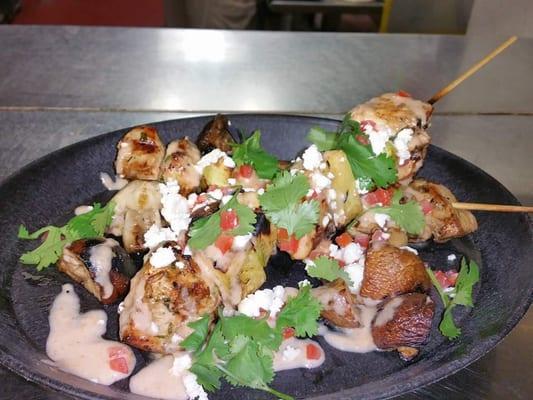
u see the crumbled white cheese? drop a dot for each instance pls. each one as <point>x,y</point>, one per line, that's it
<point>176,339</point>
<point>414,251</point>
<point>212,158</point>
<point>270,300</point>
<point>162,257</point>
<point>175,208</point>
<point>260,191</point>
<point>330,175</point>
<point>356,271</point>
<point>216,194</point>
<point>187,251</point>
<point>319,182</point>
<point>179,264</point>
<point>232,181</point>
<point>303,283</point>
<point>225,199</point>
<point>193,388</point>
<point>290,353</point>
<point>248,189</point>
<point>401,143</point>
<point>352,253</point>
<point>191,200</point>
<point>180,364</point>
<point>381,219</point>
<point>378,138</point>
<point>156,235</point>
<point>452,257</point>
<point>332,194</point>
<point>325,220</point>
<point>312,158</point>
<point>241,242</point>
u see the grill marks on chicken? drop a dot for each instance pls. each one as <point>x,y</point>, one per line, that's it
<point>443,222</point>
<point>178,165</point>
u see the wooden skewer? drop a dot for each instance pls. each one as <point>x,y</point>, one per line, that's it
<point>447,89</point>
<point>491,207</point>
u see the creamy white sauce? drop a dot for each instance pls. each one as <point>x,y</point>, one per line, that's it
<point>82,210</point>
<point>354,340</point>
<point>101,257</point>
<point>111,184</point>
<point>75,341</point>
<point>293,354</point>
<point>387,313</point>
<point>158,380</point>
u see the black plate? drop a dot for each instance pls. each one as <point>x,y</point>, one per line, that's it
<point>49,189</point>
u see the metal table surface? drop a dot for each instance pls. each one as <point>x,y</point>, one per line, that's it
<point>59,85</point>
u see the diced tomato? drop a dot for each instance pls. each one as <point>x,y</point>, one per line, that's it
<point>362,139</point>
<point>446,278</point>
<point>312,352</point>
<point>118,359</point>
<point>362,240</point>
<point>383,196</point>
<point>288,333</point>
<point>228,220</point>
<point>403,93</point>
<point>246,171</point>
<point>426,206</point>
<point>286,243</point>
<point>224,243</point>
<point>343,240</point>
<point>367,122</point>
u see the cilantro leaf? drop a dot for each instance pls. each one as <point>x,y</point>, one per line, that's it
<point>408,216</point>
<point>251,152</point>
<point>327,268</point>
<point>257,329</point>
<point>365,165</point>
<point>84,226</point>
<point>206,230</point>
<point>282,204</point>
<point>467,278</point>
<point>323,139</point>
<point>301,313</point>
<point>196,339</point>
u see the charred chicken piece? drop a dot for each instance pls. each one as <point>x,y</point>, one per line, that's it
<point>404,323</point>
<point>136,210</point>
<point>443,221</point>
<point>405,121</point>
<point>391,271</point>
<point>140,153</point>
<point>338,304</point>
<point>215,135</point>
<point>100,265</point>
<point>162,301</point>
<point>179,165</point>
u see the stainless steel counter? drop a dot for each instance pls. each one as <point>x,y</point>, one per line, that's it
<point>59,85</point>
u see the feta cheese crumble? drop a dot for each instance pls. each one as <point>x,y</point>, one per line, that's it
<point>162,257</point>
<point>312,158</point>
<point>270,300</point>
<point>241,242</point>
<point>156,235</point>
<point>452,257</point>
<point>381,219</point>
<point>290,353</point>
<point>401,143</point>
<point>175,208</point>
<point>193,388</point>
<point>303,283</point>
<point>212,158</point>
<point>378,138</point>
<point>355,271</point>
<point>319,181</point>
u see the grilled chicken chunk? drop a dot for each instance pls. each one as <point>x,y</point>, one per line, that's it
<point>215,135</point>
<point>136,210</point>
<point>179,165</point>
<point>391,271</point>
<point>140,153</point>
<point>338,304</point>
<point>443,222</point>
<point>404,323</point>
<point>404,121</point>
<point>100,265</point>
<point>162,301</point>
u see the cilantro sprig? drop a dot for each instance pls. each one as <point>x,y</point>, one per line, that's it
<point>328,269</point>
<point>89,225</point>
<point>282,204</point>
<point>251,152</point>
<point>241,349</point>
<point>408,216</point>
<point>206,230</point>
<point>460,295</point>
<point>376,170</point>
